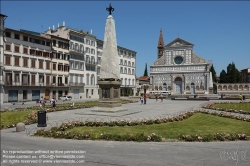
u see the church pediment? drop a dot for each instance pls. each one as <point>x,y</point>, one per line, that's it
<point>178,42</point>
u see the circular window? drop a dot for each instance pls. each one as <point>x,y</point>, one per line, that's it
<point>178,60</point>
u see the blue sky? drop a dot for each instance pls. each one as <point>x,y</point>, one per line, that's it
<point>220,31</point>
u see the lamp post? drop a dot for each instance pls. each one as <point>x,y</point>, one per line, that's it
<point>145,87</point>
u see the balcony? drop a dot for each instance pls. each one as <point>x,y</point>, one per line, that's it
<point>76,84</point>
<point>59,85</point>
<point>91,62</point>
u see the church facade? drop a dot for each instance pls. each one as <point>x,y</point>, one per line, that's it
<point>179,70</point>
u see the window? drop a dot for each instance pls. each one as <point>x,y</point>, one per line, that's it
<point>66,80</point>
<point>87,50</point>
<point>121,70</point>
<point>133,64</point>
<point>33,63</point>
<point>54,79</point>
<point>47,43</point>
<point>129,71</point>
<point>87,41</point>
<point>25,62</point>
<point>129,64</point>
<point>81,66</point>
<point>77,65</point>
<point>125,70</point>
<point>40,64</point>
<point>25,38</point>
<point>25,50</point>
<point>16,48</point>
<point>92,91</point>
<point>7,34</point>
<point>133,71</point>
<point>32,52</point>
<point>16,61</point>
<point>47,65</point>
<point>54,42</point>
<point>76,47</point>
<point>93,51</point>
<point>7,60</point>
<point>17,36</point>
<point>71,65</point>
<point>178,60</point>
<point>16,77</point>
<point>41,78</point>
<point>92,43</point>
<point>125,63</point>
<point>54,66</point>
<point>7,47</point>
<point>81,48</point>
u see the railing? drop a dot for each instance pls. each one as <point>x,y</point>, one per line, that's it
<point>76,84</point>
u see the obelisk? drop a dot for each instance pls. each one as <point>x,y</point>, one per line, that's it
<point>109,81</point>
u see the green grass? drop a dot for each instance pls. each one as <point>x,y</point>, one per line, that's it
<point>197,124</point>
<point>14,117</point>
<point>235,106</point>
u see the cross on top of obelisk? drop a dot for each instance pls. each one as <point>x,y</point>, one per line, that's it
<point>110,9</point>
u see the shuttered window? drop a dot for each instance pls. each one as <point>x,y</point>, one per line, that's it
<point>25,50</point>
<point>7,47</point>
<point>25,62</point>
<point>33,63</point>
<point>16,61</point>
<point>40,64</point>
<point>47,80</point>
<point>33,79</point>
<point>7,60</point>
<point>16,48</point>
<point>47,65</point>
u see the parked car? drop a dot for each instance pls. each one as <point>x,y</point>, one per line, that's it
<point>67,98</point>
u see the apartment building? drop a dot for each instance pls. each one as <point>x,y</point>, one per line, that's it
<point>2,19</point>
<point>245,75</point>
<point>26,65</point>
<point>59,67</point>
<point>127,59</point>
<point>82,63</point>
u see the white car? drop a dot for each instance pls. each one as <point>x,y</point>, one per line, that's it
<point>67,98</point>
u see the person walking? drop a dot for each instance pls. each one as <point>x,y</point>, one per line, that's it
<point>53,102</point>
<point>42,103</point>
<point>141,98</point>
<point>156,97</point>
<point>161,96</point>
<point>145,98</point>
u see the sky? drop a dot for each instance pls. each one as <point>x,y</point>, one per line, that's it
<point>220,31</point>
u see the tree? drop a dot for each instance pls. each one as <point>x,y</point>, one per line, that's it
<point>213,73</point>
<point>233,74</point>
<point>223,76</point>
<point>146,71</point>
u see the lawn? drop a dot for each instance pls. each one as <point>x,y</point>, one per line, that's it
<point>197,124</point>
<point>235,106</point>
<point>14,117</point>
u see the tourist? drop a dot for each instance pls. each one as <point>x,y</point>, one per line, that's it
<point>161,96</point>
<point>141,98</point>
<point>156,97</point>
<point>145,98</point>
<point>240,96</point>
<point>42,103</point>
<point>53,102</point>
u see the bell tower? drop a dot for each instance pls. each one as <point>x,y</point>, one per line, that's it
<point>160,47</point>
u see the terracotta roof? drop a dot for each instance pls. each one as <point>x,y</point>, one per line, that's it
<point>143,78</point>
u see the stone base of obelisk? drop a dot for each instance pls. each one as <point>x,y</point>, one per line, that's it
<point>109,96</point>
<point>211,90</point>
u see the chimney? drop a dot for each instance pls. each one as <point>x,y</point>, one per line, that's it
<point>49,28</point>
<point>58,25</point>
<point>90,31</point>
<point>53,27</point>
<point>63,23</point>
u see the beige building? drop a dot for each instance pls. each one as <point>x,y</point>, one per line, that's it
<point>245,75</point>
<point>27,65</point>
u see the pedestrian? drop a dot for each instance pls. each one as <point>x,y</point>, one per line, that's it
<point>145,98</point>
<point>141,98</point>
<point>161,96</point>
<point>42,103</point>
<point>240,96</point>
<point>53,102</point>
<point>156,97</point>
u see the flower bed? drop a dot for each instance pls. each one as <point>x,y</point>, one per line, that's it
<point>211,106</point>
<point>61,131</point>
<point>32,117</point>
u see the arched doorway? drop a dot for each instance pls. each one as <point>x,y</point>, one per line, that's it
<point>178,85</point>
<point>47,92</point>
<point>192,90</point>
<point>164,87</point>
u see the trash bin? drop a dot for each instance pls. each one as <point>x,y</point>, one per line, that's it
<point>41,116</point>
<point>244,97</point>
